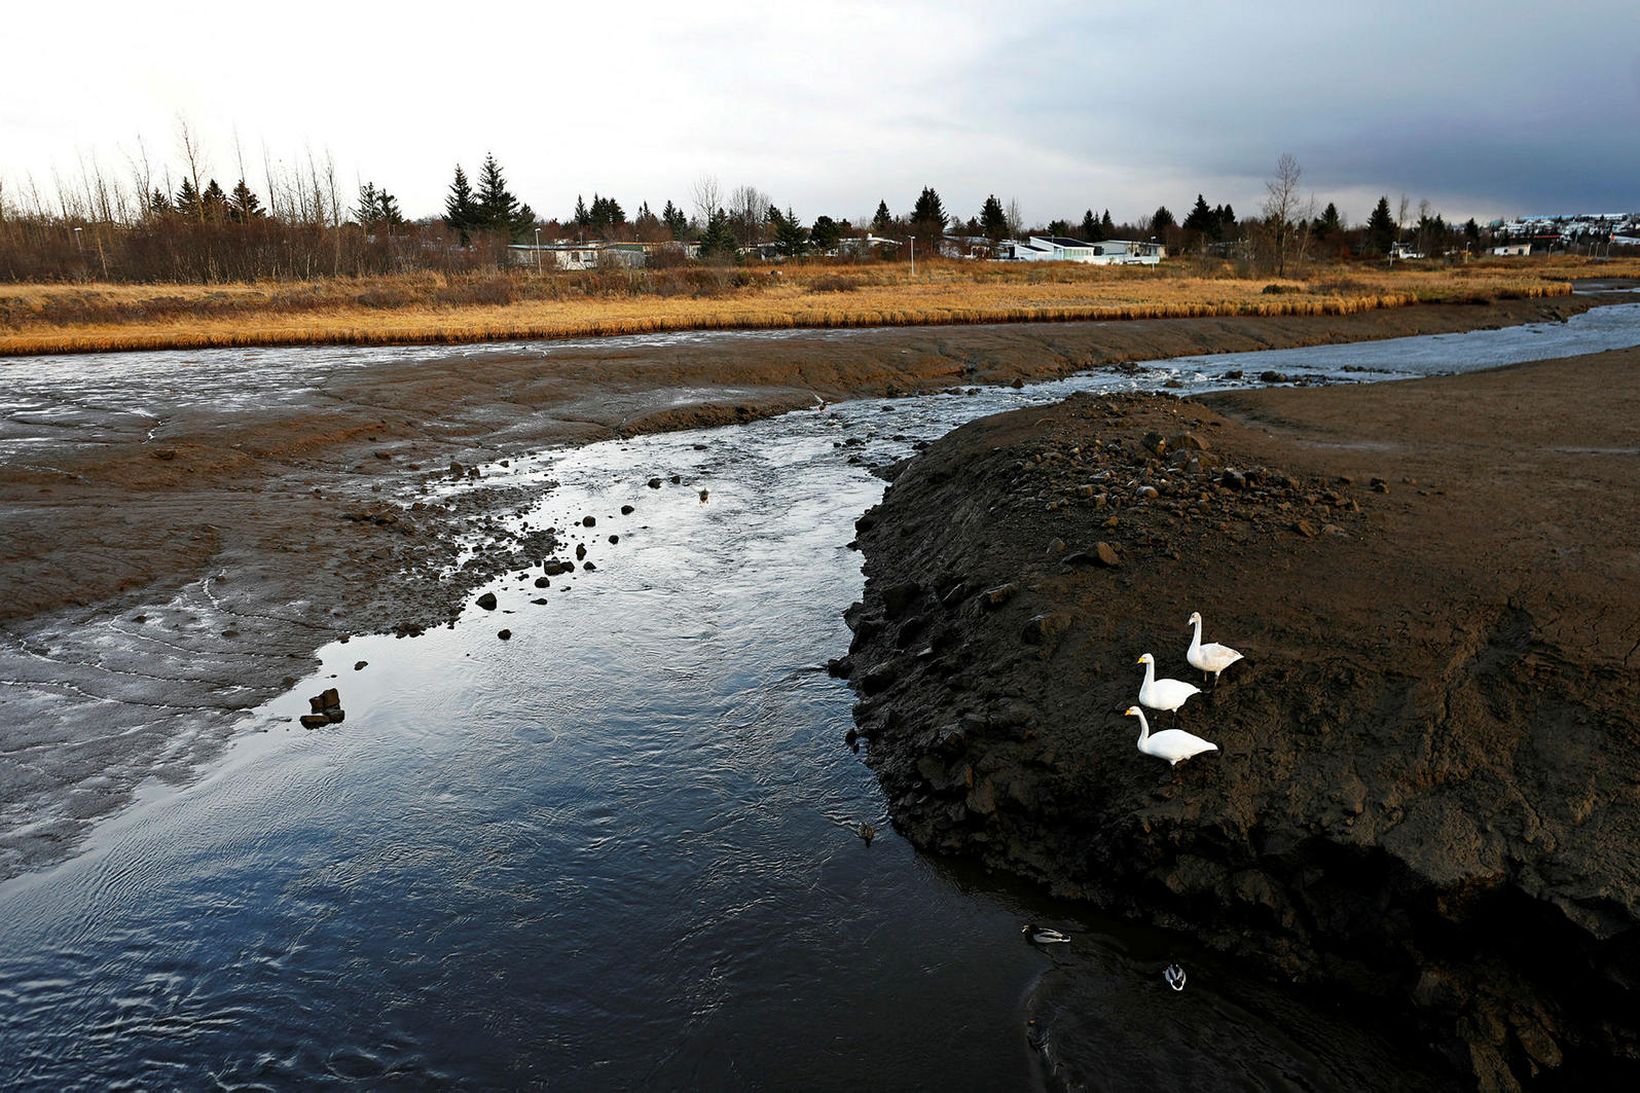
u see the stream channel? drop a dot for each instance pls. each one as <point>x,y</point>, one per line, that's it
<point>619,850</point>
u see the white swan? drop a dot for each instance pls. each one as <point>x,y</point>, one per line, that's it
<point>1211,657</point>
<point>1163,694</point>
<point>1174,745</point>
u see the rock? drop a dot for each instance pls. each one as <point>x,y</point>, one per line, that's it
<point>1154,443</point>
<point>878,678</point>
<point>504,635</point>
<point>1272,377</point>
<point>840,667</point>
<point>1233,479</point>
<point>1149,493</point>
<point>654,483</point>
<point>614,539</point>
<point>314,720</point>
<point>543,582</point>
<point>336,716</point>
<point>1379,485</point>
<point>166,454</point>
<point>1106,554</point>
<point>580,552</point>
<point>360,665</point>
<point>677,479</point>
<point>1305,528</point>
<point>1045,629</point>
<point>487,601</point>
<point>589,521</point>
<point>1086,490</point>
<point>898,597</point>
<point>456,469</point>
<point>704,494</point>
<point>1187,442</point>
<point>1234,374</point>
<point>331,699</point>
<point>539,603</point>
<point>627,510</point>
<point>1001,594</point>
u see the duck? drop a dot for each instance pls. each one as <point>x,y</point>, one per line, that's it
<point>1044,935</point>
<point>1174,976</point>
<point>1211,657</point>
<point>1163,694</point>
<point>1174,745</point>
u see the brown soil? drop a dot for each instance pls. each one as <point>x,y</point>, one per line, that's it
<point>297,517</point>
<point>1427,788</point>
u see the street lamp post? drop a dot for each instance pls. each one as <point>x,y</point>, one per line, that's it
<point>538,252</point>
<point>78,245</point>
<point>913,256</point>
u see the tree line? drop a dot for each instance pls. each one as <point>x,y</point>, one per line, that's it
<point>303,226</point>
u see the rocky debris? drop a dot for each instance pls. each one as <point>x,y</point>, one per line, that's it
<point>327,710</point>
<point>165,454</point>
<point>627,510</point>
<point>580,552</point>
<point>589,521</point>
<point>613,539</point>
<point>1044,629</point>
<point>504,635</point>
<point>487,601</point>
<point>360,665</point>
<point>1001,594</point>
<point>543,582</point>
<point>677,479</point>
<point>654,483</point>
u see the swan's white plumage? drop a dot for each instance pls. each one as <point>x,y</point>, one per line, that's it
<point>1174,745</point>
<point>1163,694</point>
<point>1211,657</point>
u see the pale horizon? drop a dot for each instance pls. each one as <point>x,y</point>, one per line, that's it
<point>833,106</point>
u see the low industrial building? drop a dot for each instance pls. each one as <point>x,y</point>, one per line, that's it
<point>1106,252</point>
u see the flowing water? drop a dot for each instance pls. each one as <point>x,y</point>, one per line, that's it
<point>619,850</point>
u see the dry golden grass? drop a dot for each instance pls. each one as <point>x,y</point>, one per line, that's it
<point>428,308</point>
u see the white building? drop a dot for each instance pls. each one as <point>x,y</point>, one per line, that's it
<point>1107,252</point>
<point>1513,250</point>
<point>593,254</point>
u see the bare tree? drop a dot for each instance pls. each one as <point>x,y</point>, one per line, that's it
<point>1016,219</point>
<point>1281,208</point>
<point>193,153</point>
<point>708,198</point>
<point>748,208</point>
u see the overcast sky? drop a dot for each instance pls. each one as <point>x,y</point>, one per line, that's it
<point>1485,109</point>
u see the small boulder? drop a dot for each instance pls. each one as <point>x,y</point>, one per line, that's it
<point>314,720</point>
<point>654,483</point>
<point>627,510</point>
<point>504,635</point>
<point>1001,594</point>
<point>487,601</point>
<point>589,521</point>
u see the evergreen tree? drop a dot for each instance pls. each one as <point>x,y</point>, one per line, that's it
<point>1107,226</point>
<point>1472,232</point>
<point>582,216</point>
<point>883,221</point>
<point>718,240</point>
<point>460,209</point>
<point>1090,227</point>
<point>675,221</point>
<point>993,222</point>
<point>928,217</point>
<point>214,202</point>
<point>789,234</point>
<point>605,214</point>
<point>1380,234</point>
<point>646,222</point>
<point>1161,220</point>
<point>825,235</point>
<point>1202,220</point>
<point>187,201</point>
<point>498,210</point>
<point>1059,229</point>
<point>377,208</point>
<point>243,204</point>
<point>1329,223</point>
<point>159,203</point>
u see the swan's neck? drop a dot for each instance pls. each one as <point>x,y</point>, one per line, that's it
<point>1144,729</point>
<point>1150,676</point>
<point>1196,642</point>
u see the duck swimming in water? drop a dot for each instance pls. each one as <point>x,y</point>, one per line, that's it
<point>1043,935</point>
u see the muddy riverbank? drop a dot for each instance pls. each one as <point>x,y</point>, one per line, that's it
<point>1425,794</point>
<point>238,509</point>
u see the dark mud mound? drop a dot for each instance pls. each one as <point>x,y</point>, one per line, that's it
<point>1426,793</point>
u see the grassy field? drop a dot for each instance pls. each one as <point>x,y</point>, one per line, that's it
<point>516,305</point>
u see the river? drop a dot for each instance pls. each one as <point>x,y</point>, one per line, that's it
<point>619,849</point>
